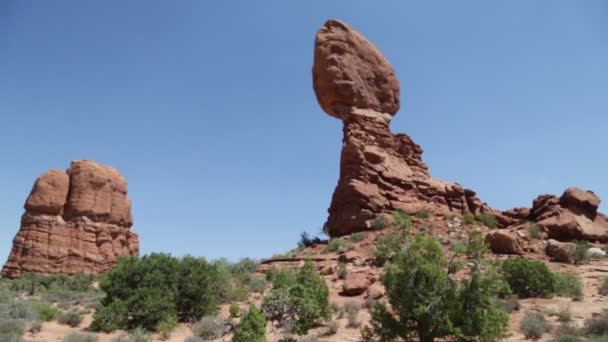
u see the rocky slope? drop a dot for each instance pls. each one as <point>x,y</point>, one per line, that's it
<point>74,221</point>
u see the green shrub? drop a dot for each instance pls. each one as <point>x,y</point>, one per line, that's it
<point>145,291</point>
<point>534,325</point>
<point>534,231</point>
<point>379,222</point>
<point>358,237</point>
<point>167,326</point>
<point>488,220</point>
<point>252,327</point>
<point>568,285</point>
<point>428,304</point>
<point>47,313</point>
<point>235,310</point>
<point>81,337</point>
<point>12,326</point>
<point>389,245</point>
<point>302,301</point>
<point>468,218</point>
<point>598,338</point>
<point>579,252</point>
<point>568,338</point>
<point>139,335</point>
<point>564,315</point>
<point>209,327</point>
<point>509,303</point>
<point>337,245</point>
<point>258,284</point>
<point>71,318</point>
<point>402,221</point>
<point>423,213</point>
<point>21,310</point>
<point>528,278</point>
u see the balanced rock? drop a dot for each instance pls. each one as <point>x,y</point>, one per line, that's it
<point>74,221</point>
<point>380,172</point>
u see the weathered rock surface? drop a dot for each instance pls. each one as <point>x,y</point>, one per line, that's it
<point>559,251</point>
<point>380,172</point>
<point>74,221</point>
<point>355,284</point>
<point>503,242</point>
<point>573,216</point>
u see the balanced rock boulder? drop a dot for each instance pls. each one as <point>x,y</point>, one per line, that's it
<point>74,221</point>
<point>380,172</point>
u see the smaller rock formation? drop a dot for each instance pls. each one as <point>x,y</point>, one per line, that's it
<point>573,216</point>
<point>503,242</point>
<point>74,221</point>
<point>559,251</point>
<point>355,284</point>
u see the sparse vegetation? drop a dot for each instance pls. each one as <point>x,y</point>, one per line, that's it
<point>71,318</point>
<point>342,271</point>
<point>337,245</point>
<point>528,278</point>
<point>352,313</point>
<point>300,302</point>
<point>424,213</point>
<point>379,222</point>
<point>166,326</point>
<point>488,220</point>
<point>568,285</point>
<point>534,325</point>
<point>468,218</point>
<point>534,231</point>
<point>209,327</point>
<point>358,237</point>
<point>597,326</point>
<point>579,252</point>
<point>603,289</point>
<point>333,327</point>
<point>307,241</point>
<point>235,310</point>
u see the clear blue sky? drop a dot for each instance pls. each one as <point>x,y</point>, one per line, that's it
<point>207,107</point>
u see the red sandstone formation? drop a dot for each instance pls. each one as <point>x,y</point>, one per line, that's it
<point>74,221</point>
<point>379,171</point>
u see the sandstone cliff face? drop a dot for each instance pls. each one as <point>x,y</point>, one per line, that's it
<point>74,221</point>
<point>380,172</point>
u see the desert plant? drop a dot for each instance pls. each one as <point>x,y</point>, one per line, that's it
<point>534,325</point>
<point>488,220</point>
<point>597,326</point>
<point>352,312</point>
<point>428,304</point>
<point>209,327</point>
<point>568,338</point>
<point>333,327</point>
<point>35,326</point>
<point>258,284</point>
<point>358,237</point>
<point>379,222</point>
<point>47,313</point>
<point>568,285</point>
<point>564,314</point>
<point>12,326</point>
<point>139,335</point>
<point>166,326</point>
<point>310,338</point>
<point>528,278</point>
<point>337,245</point>
<point>424,213</point>
<point>579,252</point>
<point>252,327</point>
<point>301,301</point>
<point>509,303</point>
<point>80,337</point>
<point>535,231</point>
<point>468,218</point>
<point>234,310</point>
<point>21,310</point>
<point>71,318</point>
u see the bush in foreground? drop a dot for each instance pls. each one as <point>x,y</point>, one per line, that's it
<point>252,327</point>
<point>81,337</point>
<point>429,304</point>
<point>528,278</point>
<point>534,325</point>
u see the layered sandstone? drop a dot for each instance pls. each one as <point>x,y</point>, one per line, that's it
<point>380,172</point>
<point>74,221</point>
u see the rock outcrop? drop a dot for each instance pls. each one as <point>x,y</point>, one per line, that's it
<point>503,242</point>
<point>74,221</point>
<point>380,172</point>
<point>573,216</point>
